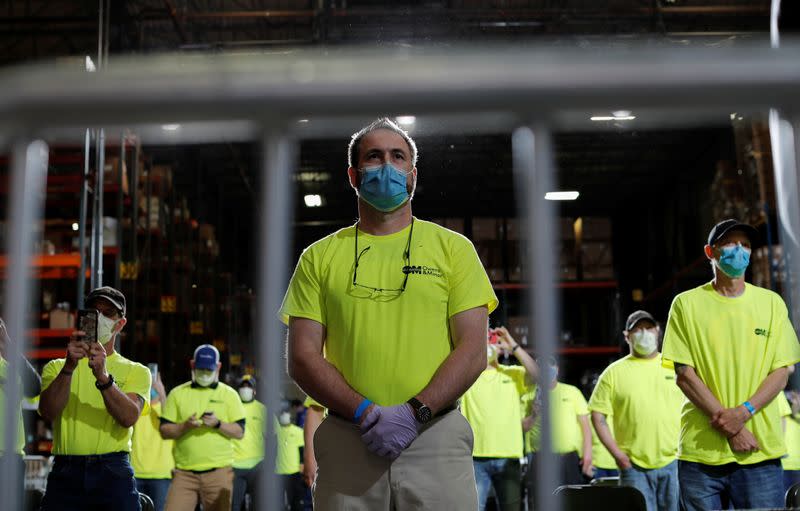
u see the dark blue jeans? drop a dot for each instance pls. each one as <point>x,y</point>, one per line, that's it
<point>156,489</point>
<point>89,483</point>
<point>605,472</point>
<point>504,475</point>
<point>741,486</point>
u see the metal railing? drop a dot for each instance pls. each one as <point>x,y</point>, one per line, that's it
<point>535,85</point>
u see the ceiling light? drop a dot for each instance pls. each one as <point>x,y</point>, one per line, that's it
<point>170,127</point>
<point>406,119</point>
<point>302,121</point>
<point>622,113</point>
<point>313,201</point>
<point>74,226</point>
<point>612,118</point>
<point>571,195</point>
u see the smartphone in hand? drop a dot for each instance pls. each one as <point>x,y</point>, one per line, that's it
<point>87,323</point>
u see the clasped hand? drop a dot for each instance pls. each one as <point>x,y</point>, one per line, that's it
<point>389,430</point>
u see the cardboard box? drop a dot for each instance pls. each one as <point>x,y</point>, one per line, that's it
<point>518,327</point>
<point>596,253</point>
<point>62,319</point>
<point>486,229</point>
<point>206,232</point>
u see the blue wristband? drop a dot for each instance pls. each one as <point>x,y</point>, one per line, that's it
<point>750,408</point>
<point>360,410</point>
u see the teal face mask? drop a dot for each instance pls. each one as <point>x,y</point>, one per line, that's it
<point>733,261</point>
<point>384,187</point>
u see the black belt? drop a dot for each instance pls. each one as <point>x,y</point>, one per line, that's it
<point>447,409</point>
<point>91,457</point>
<point>203,471</point>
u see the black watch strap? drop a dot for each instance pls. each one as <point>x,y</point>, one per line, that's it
<point>422,413</point>
<point>106,385</point>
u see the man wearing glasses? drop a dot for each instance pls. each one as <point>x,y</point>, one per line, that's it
<point>387,329</point>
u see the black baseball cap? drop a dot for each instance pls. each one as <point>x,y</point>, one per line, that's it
<point>726,226</point>
<point>637,316</point>
<point>114,296</point>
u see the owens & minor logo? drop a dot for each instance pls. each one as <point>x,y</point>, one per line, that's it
<point>422,270</point>
<point>761,331</point>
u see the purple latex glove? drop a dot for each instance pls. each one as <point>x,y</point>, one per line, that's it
<point>388,430</point>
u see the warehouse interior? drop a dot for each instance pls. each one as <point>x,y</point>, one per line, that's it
<point>181,203</point>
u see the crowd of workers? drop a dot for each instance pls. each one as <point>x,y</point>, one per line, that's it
<point>409,407</point>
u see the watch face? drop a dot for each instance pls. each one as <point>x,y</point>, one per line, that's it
<point>424,414</point>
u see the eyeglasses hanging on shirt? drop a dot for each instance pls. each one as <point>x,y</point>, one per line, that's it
<point>375,292</point>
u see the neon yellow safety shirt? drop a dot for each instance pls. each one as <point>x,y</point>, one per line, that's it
<point>387,345</point>
<point>290,440</point>
<point>151,455</point>
<point>601,457</point>
<point>203,448</point>
<point>566,405</point>
<point>249,451</point>
<point>20,426</point>
<point>85,427</point>
<point>526,409</point>
<point>792,433</point>
<point>492,408</point>
<point>646,404</point>
<point>733,344</point>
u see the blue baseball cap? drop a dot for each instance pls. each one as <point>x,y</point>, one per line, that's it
<point>206,356</point>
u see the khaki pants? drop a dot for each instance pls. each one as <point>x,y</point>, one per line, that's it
<point>214,489</point>
<point>434,472</point>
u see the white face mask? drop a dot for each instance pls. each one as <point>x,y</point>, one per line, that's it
<point>645,341</point>
<point>246,393</point>
<point>284,419</point>
<point>204,377</point>
<point>105,328</point>
<point>492,353</point>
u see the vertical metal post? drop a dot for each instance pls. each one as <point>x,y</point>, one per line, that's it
<point>82,219</point>
<point>533,175</point>
<point>276,214</point>
<point>97,217</point>
<point>120,199</point>
<point>29,171</point>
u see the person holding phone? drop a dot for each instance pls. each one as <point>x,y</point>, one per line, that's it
<point>93,397</point>
<point>204,417</point>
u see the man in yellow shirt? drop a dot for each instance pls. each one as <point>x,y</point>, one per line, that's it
<point>93,397</point>
<point>790,412</point>
<point>248,453</point>
<point>203,416</point>
<point>288,464</point>
<point>731,343</point>
<point>492,408</point>
<point>151,456</point>
<point>387,329</point>
<point>572,431</point>
<point>646,404</point>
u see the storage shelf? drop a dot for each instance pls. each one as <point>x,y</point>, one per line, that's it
<point>589,350</point>
<point>564,284</point>
<point>56,266</point>
<point>46,353</point>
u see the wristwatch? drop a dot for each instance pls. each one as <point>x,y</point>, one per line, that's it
<point>106,385</point>
<point>422,413</point>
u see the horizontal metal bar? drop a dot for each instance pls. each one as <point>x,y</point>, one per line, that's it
<point>363,82</point>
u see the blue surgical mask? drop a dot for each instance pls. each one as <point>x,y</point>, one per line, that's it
<point>733,260</point>
<point>384,187</point>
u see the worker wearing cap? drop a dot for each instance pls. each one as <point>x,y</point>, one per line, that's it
<point>151,456</point>
<point>93,397</point>
<point>731,343</point>
<point>387,329</point>
<point>492,406</point>
<point>641,395</point>
<point>248,452</point>
<point>204,417</point>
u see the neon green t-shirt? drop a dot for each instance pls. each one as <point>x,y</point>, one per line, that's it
<point>566,405</point>
<point>151,455</point>
<point>290,440</point>
<point>492,408</point>
<point>203,448</point>
<point>85,426</point>
<point>601,458</point>
<point>646,403</point>
<point>20,426</point>
<point>526,409</point>
<point>388,345</point>
<point>792,433</point>
<point>733,344</point>
<point>249,451</point>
